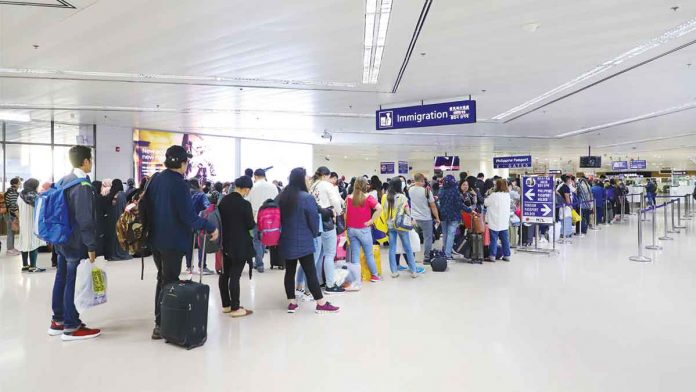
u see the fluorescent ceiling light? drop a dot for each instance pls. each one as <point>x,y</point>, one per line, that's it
<point>14,116</point>
<point>647,116</point>
<point>377,14</point>
<point>665,38</point>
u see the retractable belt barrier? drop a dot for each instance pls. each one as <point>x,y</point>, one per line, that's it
<point>675,229</point>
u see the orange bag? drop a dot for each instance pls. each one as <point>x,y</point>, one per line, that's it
<point>486,236</point>
<point>478,225</point>
<point>466,220</point>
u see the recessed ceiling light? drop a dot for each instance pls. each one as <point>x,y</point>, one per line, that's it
<point>665,38</point>
<point>531,27</point>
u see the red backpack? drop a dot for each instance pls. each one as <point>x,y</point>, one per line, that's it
<point>268,223</point>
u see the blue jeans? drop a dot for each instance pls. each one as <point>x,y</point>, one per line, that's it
<point>504,238</point>
<point>64,294</point>
<point>406,242</point>
<point>324,255</point>
<point>449,228</point>
<point>259,249</point>
<point>362,239</point>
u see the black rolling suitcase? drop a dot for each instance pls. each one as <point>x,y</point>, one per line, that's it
<point>476,248</point>
<point>276,261</point>
<point>184,310</point>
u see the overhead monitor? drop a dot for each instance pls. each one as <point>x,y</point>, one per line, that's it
<point>446,163</point>
<point>591,162</point>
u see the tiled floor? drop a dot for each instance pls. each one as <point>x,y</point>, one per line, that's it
<point>585,320</point>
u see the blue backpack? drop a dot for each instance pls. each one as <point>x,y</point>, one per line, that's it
<point>52,215</point>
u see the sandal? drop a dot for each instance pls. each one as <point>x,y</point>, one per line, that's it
<point>247,312</point>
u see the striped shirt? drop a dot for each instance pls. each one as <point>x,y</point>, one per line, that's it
<point>11,200</point>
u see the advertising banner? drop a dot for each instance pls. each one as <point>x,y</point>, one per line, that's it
<point>386,168</point>
<point>619,165</point>
<point>537,199</point>
<point>512,162</point>
<point>446,113</point>
<point>213,157</point>
<point>638,164</point>
<point>403,167</point>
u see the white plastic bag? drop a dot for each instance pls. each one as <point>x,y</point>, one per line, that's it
<point>90,286</point>
<point>415,243</point>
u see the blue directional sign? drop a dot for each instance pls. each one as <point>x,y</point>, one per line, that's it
<point>446,113</point>
<point>638,164</point>
<point>619,165</point>
<point>512,162</point>
<point>537,199</point>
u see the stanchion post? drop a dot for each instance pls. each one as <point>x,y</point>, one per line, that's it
<point>687,207</point>
<point>640,257</point>
<point>642,206</point>
<point>622,200</point>
<point>666,236</point>
<point>679,223</point>
<point>674,229</point>
<point>594,216</point>
<point>654,245</point>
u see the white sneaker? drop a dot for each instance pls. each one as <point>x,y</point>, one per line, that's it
<point>543,240</point>
<point>395,275</point>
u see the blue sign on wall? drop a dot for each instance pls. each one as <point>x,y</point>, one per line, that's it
<point>537,199</point>
<point>512,162</point>
<point>619,165</point>
<point>386,168</point>
<point>638,164</point>
<point>403,167</point>
<point>446,113</point>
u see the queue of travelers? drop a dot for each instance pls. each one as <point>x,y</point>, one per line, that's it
<point>321,216</point>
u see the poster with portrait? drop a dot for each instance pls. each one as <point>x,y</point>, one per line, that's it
<point>213,156</point>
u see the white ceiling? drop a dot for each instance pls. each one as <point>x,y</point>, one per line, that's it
<point>291,69</point>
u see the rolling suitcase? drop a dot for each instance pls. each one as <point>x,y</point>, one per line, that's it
<point>184,310</point>
<point>218,261</point>
<point>276,261</point>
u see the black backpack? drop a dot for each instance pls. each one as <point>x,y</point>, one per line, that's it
<point>439,264</point>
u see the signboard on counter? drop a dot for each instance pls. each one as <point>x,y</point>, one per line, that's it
<point>555,171</point>
<point>619,165</point>
<point>537,199</point>
<point>638,164</point>
<point>678,172</point>
<point>512,162</point>
<point>386,168</point>
<point>446,113</point>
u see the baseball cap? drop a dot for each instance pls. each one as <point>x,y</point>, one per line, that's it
<point>260,173</point>
<point>177,154</point>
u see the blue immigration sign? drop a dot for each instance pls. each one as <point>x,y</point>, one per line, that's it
<point>446,113</point>
<point>537,199</point>
<point>512,162</point>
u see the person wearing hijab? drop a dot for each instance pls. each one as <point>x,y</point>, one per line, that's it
<point>29,243</point>
<point>114,205</point>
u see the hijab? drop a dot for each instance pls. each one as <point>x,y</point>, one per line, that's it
<point>29,192</point>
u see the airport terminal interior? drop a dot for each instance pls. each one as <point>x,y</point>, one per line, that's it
<point>388,195</point>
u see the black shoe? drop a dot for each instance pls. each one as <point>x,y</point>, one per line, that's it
<point>156,333</point>
<point>25,268</point>
<point>334,290</point>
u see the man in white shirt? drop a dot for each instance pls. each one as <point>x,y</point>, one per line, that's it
<point>260,192</point>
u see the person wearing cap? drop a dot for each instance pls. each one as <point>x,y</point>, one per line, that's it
<point>262,191</point>
<point>237,220</point>
<point>172,218</point>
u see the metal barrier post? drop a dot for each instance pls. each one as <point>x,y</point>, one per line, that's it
<point>622,200</point>
<point>640,256</point>
<point>687,207</point>
<point>607,221</point>
<point>654,246</point>
<point>679,223</point>
<point>594,216</point>
<point>642,206</point>
<point>673,230</point>
<point>666,236</point>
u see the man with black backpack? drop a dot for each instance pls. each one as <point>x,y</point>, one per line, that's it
<point>81,243</point>
<point>170,221</point>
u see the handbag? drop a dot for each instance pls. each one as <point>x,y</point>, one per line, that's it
<point>575,216</point>
<point>15,225</point>
<point>340,225</point>
<point>467,220</point>
<point>404,221</point>
<point>478,226</point>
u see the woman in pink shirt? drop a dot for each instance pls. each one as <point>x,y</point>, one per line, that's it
<point>361,212</point>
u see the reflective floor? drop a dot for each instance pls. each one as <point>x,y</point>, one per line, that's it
<point>587,319</point>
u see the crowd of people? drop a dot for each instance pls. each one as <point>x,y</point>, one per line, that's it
<point>323,219</point>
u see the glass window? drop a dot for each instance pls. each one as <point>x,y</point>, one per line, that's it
<point>281,157</point>
<point>62,165</point>
<point>73,134</point>
<point>28,132</point>
<point>28,161</point>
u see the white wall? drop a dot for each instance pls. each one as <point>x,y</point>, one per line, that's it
<point>112,164</point>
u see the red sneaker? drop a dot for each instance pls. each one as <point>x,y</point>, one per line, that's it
<point>326,308</point>
<point>81,334</point>
<point>292,308</point>
<point>55,329</point>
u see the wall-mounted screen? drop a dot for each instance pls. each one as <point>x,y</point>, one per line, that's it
<point>445,163</point>
<point>591,162</point>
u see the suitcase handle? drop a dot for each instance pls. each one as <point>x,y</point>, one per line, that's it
<point>193,253</point>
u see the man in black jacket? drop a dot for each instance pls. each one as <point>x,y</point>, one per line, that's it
<point>172,220</point>
<point>82,243</point>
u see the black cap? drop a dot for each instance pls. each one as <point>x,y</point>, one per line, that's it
<point>177,154</point>
<point>260,173</point>
<point>243,182</point>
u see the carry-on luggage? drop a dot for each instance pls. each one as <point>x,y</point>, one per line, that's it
<point>184,312</point>
<point>514,236</point>
<point>438,264</point>
<point>477,247</point>
<point>276,260</point>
